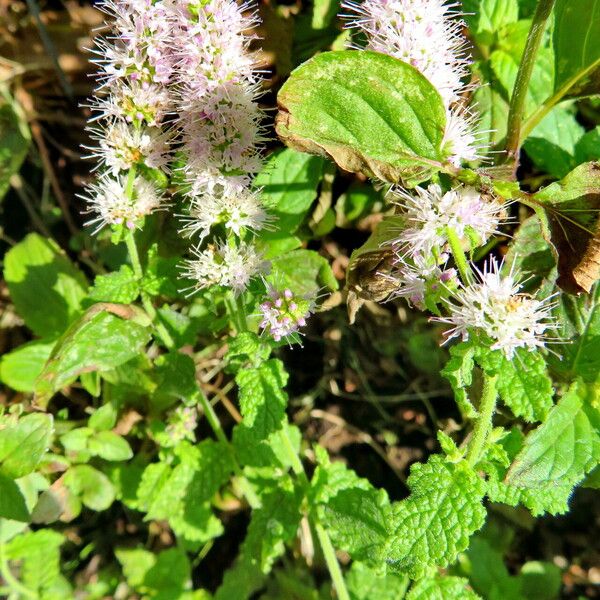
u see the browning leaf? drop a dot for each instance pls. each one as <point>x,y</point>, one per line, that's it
<point>569,216</point>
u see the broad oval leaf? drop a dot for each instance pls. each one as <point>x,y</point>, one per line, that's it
<point>371,113</point>
<point>576,47</point>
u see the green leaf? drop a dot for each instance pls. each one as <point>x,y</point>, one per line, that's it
<point>588,146</point>
<point>355,513</point>
<point>165,575</point>
<point>576,48</point>
<point>20,368</point>
<point>12,502</point>
<point>44,285</point>
<point>262,403</point>
<point>39,553</point>
<point>459,372</point>
<point>14,145</point>
<point>369,112</point>
<point>523,383</point>
<point>552,144</point>
<point>103,418</point>
<point>356,202</point>
<point>579,356</point>
<point>302,271</point>
<point>530,255</point>
<point>365,583</point>
<point>557,455</point>
<point>120,286</point>
<point>93,487</point>
<point>275,523</point>
<point>492,110</point>
<point>540,580</point>
<point>442,588</point>
<point>154,494</point>
<point>568,212</point>
<point>246,348</point>
<point>78,350</point>
<point>486,17</point>
<point>435,522</point>
<point>288,184</point>
<point>109,446</point>
<point>23,444</point>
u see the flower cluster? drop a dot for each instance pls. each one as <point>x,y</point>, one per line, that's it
<point>430,217</point>
<point>284,312</point>
<point>131,111</point>
<point>227,265</point>
<point>494,306</point>
<point>427,35</point>
<point>220,123</point>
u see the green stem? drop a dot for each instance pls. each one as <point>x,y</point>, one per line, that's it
<point>462,264</point>
<point>484,421</point>
<point>241,309</point>
<point>332,563</point>
<point>519,95</point>
<point>11,581</point>
<point>134,256</point>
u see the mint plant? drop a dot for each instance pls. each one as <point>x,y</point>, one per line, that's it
<point>157,432</point>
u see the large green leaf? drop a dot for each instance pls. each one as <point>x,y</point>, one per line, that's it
<point>45,286</point>
<point>435,522</point>
<point>106,336</point>
<point>369,112</point>
<point>14,145</point>
<point>558,454</point>
<point>12,502</point>
<point>576,47</point>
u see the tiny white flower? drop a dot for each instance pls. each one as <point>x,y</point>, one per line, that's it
<point>108,198</point>
<point>494,306</point>
<point>460,141</point>
<point>237,211</point>
<point>226,265</point>
<point>430,212</point>
<point>122,145</point>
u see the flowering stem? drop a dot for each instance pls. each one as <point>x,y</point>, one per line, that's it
<point>519,95</point>
<point>462,264</point>
<point>332,563</point>
<point>484,421</point>
<point>134,255</point>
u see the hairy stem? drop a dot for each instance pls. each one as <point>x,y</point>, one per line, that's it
<point>462,264</point>
<point>484,421</point>
<point>519,95</point>
<point>332,563</point>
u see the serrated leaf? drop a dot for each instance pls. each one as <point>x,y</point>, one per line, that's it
<point>23,444</point>
<point>44,285</point>
<point>12,502</point>
<point>442,588</point>
<point>365,583</point>
<point>523,383</point>
<point>103,418</point>
<point>120,286</point>
<point>435,522</point>
<point>246,347</point>
<point>459,372</point>
<point>577,53</point>
<point>369,112</point>
<point>557,455</point>
<point>355,513</point>
<point>154,495</point>
<point>288,184</point>
<point>40,556</point>
<point>262,402</point>
<point>78,350</point>
<point>271,526</point>
<point>20,368</point>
